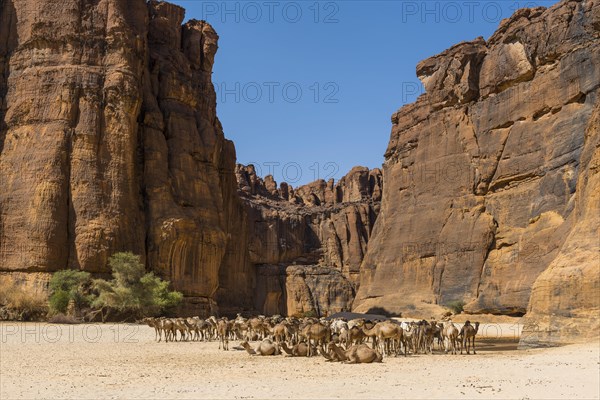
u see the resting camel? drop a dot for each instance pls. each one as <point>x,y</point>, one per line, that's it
<point>450,334</point>
<point>264,348</point>
<point>468,333</point>
<point>298,350</point>
<point>358,354</point>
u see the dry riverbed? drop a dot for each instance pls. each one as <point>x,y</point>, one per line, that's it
<point>124,361</point>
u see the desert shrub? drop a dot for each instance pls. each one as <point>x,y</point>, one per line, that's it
<point>133,290</point>
<point>63,319</point>
<point>456,306</point>
<point>59,301</point>
<point>20,304</point>
<point>66,286</point>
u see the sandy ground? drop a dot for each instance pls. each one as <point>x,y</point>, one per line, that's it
<point>123,361</point>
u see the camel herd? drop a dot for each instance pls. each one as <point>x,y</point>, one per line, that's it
<point>354,341</point>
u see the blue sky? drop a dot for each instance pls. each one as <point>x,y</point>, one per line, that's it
<point>306,89</point>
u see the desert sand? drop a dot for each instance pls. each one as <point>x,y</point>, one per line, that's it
<point>123,361</point>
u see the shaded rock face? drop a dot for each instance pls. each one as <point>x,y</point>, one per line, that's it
<point>307,290</point>
<point>109,141</point>
<point>308,243</point>
<point>491,176</point>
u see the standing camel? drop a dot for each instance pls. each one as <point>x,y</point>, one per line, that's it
<point>468,333</point>
<point>223,329</point>
<point>450,334</point>
<point>317,332</point>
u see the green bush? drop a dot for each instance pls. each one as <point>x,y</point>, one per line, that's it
<point>59,301</point>
<point>132,290</point>
<point>456,306</point>
<point>67,285</point>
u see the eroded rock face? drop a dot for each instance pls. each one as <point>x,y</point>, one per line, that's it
<point>491,176</point>
<point>564,306</point>
<point>302,290</point>
<point>109,141</point>
<point>308,243</point>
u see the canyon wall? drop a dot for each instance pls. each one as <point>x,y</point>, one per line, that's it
<point>307,244</point>
<point>491,195</point>
<point>109,141</point>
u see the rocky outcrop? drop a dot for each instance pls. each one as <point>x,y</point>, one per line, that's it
<point>491,176</point>
<point>306,290</point>
<point>308,243</point>
<point>109,141</point>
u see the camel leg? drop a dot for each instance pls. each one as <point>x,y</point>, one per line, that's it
<point>474,345</point>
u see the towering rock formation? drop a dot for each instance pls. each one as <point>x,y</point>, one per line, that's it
<point>491,194</point>
<point>308,243</point>
<point>109,141</point>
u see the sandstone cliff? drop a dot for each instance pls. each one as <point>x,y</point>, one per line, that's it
<point>492,176</point>
<point>308,243</point>
<point>109,141</point>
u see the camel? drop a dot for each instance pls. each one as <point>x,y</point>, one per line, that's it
<point>205,329</point>
<point>354,335</point>
<point>154,323</point>
<point>450,334</point>
<point>423,336</point>
<point>320,333</point>
<point>382,333</point>
<point>257,327</point>
<point>281,332</point>
<point>338,326</point>
<point>438,329</point>
<point>357,354</point>
<point>192,327</point>
<point>179,325</point>
<point>264,348</point>
<point>298,350</point>
<point>168,328</point>
<point>409,338</point>
<point>223,329</point>
<point>468,333</point>
<point>212,330</point>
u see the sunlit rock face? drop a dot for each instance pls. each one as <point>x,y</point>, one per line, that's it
<point>491,178</point>
<point>109,141</point>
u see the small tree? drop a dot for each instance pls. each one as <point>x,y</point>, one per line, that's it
<point>67,285</point>
<point>133,290</point>
<point>456,306</point>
